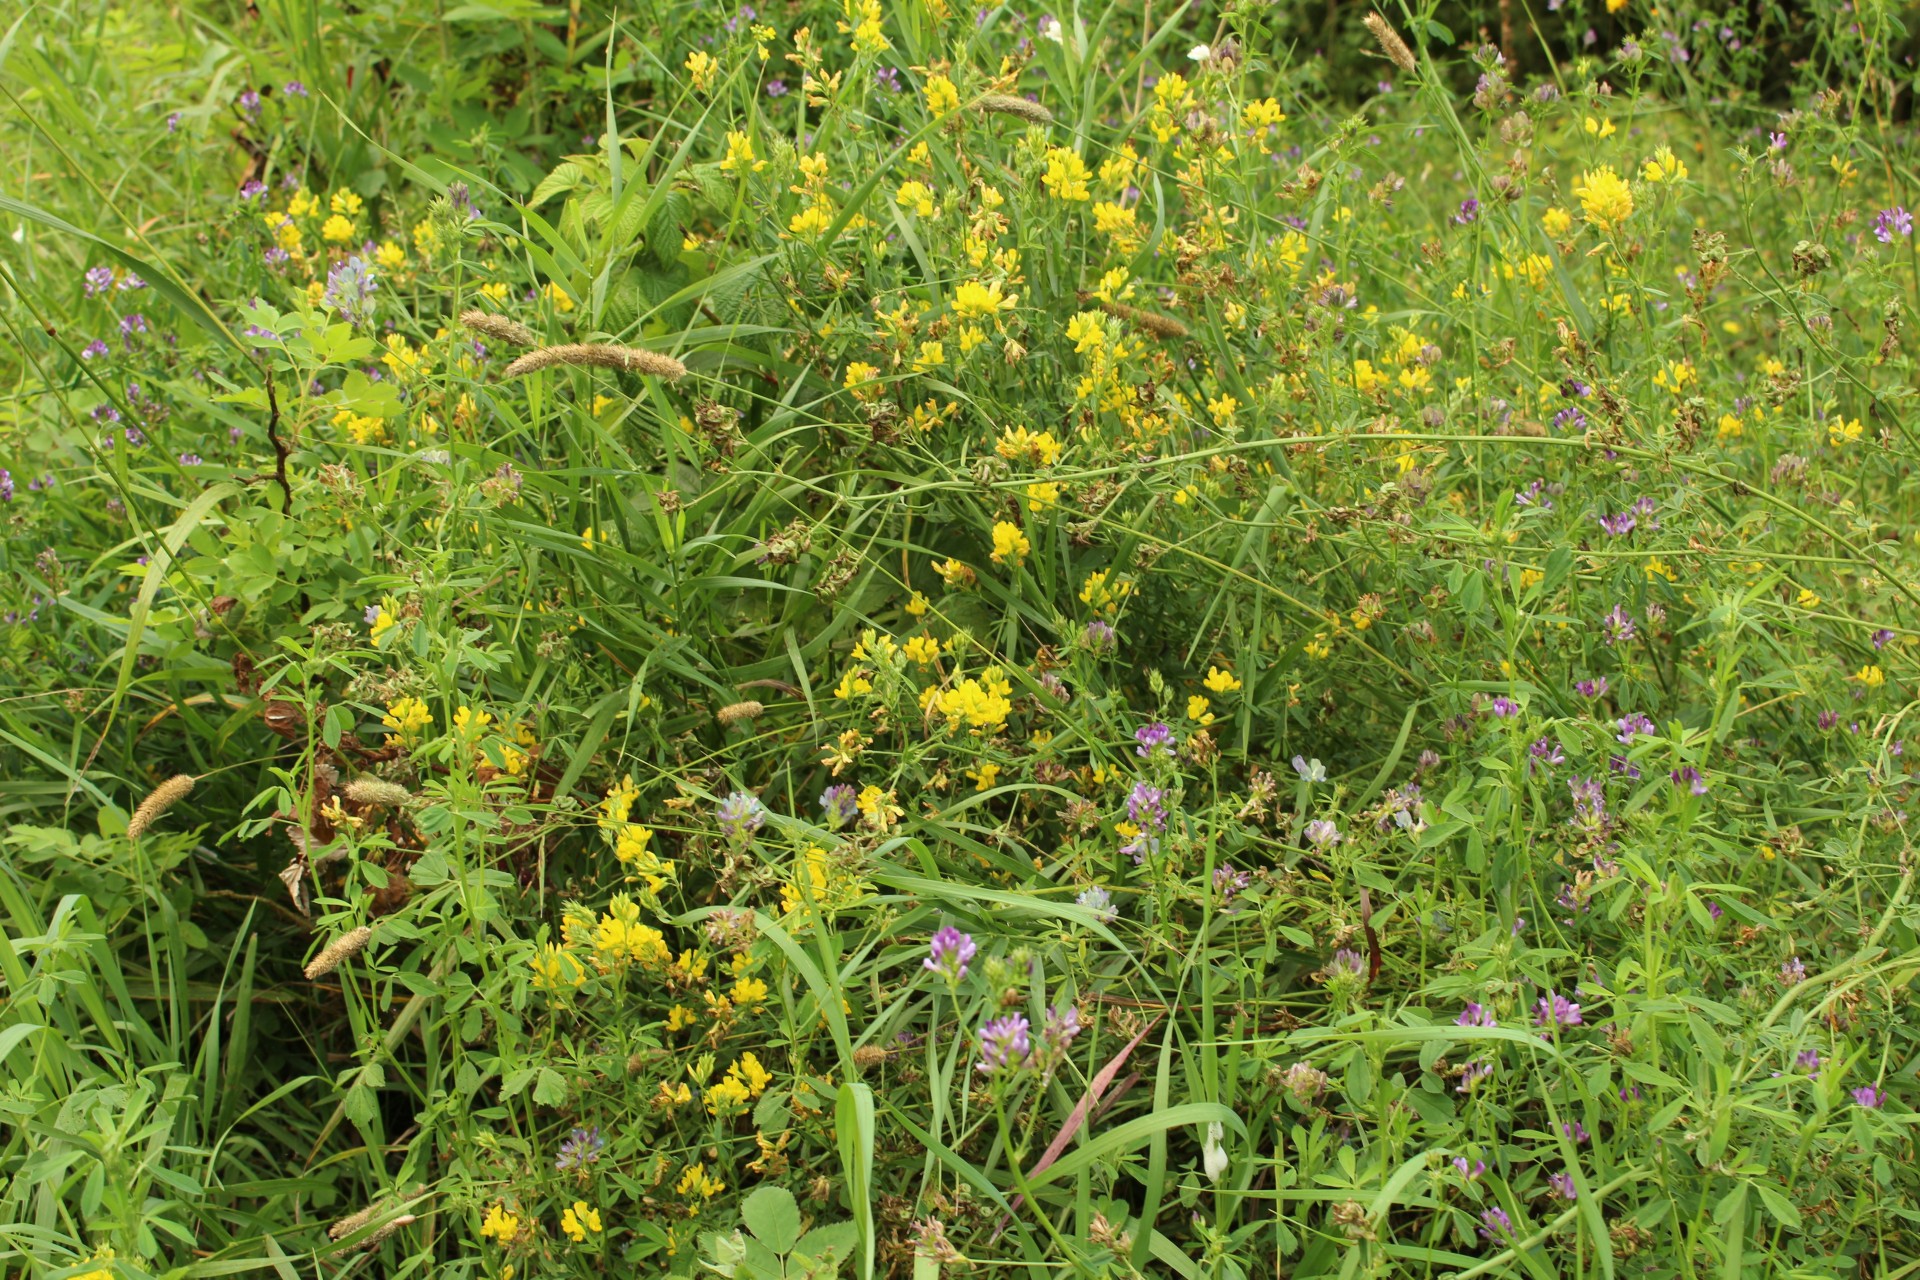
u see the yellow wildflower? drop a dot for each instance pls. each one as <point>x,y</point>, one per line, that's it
<point>579,1221</point>
<point>1066,176</point>
<point>1606,201</point>
<point>942,98</point>
<point>1009,543</point>
<point>1221,681</point>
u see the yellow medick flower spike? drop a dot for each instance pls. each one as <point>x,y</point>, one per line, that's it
<point>1010,545</point>
<point>703,68</point>
<point>1664,166</point>
<point>942,98</point>
<point>740,157</point>
<point>579,1221</point>
<point>1606,201</point>
<point>1871,676</point>
<point>1221,681</point>
<point>1067,174</point>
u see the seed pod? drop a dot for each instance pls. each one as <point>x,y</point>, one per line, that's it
<point>500,329</point>
<point>1152,321</point>
<point>378,791</point>
<point>164,797</point>
<point>1390,42</point>
<point>343,948</point>
<point>1006,104</point>
<point>738,713</point>
<point>598,355</point>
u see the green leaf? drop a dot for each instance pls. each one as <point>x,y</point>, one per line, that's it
<point>853,1125</point>
<point>773,1215</point>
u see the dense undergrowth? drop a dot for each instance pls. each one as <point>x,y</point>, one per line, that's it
<point>863,639</point>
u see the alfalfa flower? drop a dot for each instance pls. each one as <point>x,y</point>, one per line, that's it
<point>1005,1044</point>
<point>1555,1010</point>
<point>697,1184</point>
<point>1220,681</point>
<point>581,1148</point>
<point>740,815</point>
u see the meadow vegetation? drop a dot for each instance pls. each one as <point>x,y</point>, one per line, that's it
<point>888,638</point>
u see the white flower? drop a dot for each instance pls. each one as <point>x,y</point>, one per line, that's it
<point>1213,1152</point>
<point>1199,53</point>
<point>1050,30</point>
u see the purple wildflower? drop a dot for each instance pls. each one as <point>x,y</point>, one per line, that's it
<point>1496,1225</point>
<point>1594,688</point>
<point>1889,223</point>
<point>1807,1060</point>
<point>1562,1185</point>
<point>97,281</point>
<point>1555,1010</point>
<point>1154,739</point>
<point>1869,1097</point>
<point>740,815</point>
<point>1574,1132</point>
<point>1619,525</point>
<point>294,89</point>
<point>1145,808</point>
<point>582,1148</point>
<point>1631,725</point>
<point>1098,900</point>
<point>1503,706</point>
<point>1689,777</point>
<point>1469,212</point>
<point>1469,1171</point>
<point>350,289</point>
<point>1473,1075</point>
<point>1004,1043</point>
<point>93,350</point>
<point>839,805</point>
<point>1322,833</point>
<point>1793,972</point>
<point>1618,626</point>
<point>1476,1015</point>
<point>949,952</point>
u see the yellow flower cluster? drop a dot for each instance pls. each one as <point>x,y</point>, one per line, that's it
<point>979,704</point>
<point>745,1080</point>
<point>1606,201</point>
<point>407,717</point>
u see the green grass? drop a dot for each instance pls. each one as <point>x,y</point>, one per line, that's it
<point>1095,709</point>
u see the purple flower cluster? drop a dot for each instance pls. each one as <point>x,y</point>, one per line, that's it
<point>1889,223</point>
<point>949,953</point>
<point>1154,739</point>
<point>1555,1010</point>
<point>740,815</point>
